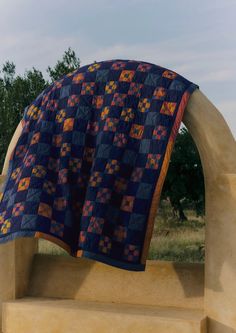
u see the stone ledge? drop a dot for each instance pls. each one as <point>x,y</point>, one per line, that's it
<point>36,315</point>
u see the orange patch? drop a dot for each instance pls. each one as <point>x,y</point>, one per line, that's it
<point>97,101</point>
<point>126,75</point>
<point>169,74</point>
<point>24,184</point>
<point>136,131</point>
<point>79,78</point>
<point>168,108</point>
<point>68,124</point>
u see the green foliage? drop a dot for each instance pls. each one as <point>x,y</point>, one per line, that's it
<point>184,183</point>
<point>68,64</point>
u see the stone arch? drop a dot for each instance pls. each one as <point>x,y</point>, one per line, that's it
<point>217,149</point>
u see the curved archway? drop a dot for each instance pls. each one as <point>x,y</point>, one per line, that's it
<point>217,149</point>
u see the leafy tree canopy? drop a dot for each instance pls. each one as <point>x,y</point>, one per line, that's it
<point>67,64</point>
<point>184,183</point>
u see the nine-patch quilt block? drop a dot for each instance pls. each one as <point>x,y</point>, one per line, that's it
<point>88,169</point>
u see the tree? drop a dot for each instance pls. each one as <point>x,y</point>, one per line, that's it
<point>68,64</point>
<point>184,183</point>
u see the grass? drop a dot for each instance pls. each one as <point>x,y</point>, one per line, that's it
<point>48,247</point>
<point>177,241</point>
<point>171,240</point>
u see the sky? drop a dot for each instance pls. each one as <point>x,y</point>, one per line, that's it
<point>197,39</point>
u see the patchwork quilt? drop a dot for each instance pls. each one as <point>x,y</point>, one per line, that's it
<point>88,168</point>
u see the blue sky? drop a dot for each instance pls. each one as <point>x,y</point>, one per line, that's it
<point>195,38</point>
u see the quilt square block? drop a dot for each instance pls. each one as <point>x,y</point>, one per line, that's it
<point>144,67</point>
<point>153,161</point>
<point>120,140</point>
<point>65,91</point>
<point>159,133</point>
<point>118,99</point>
<point>97,101</point>
<point>168,108</point>
<point>95,179</point>
<point>169,74</point>
<point>88,88</point>
<point>57,228</point>
<point>105,244</point>
<point>96,225</point>
<point>73,100</point>
<point>75,164</point>
<point>137,174</point>
<point>120,233</point>
<point>33,112</point>
<point>61,115</point>
<point>29,160</point>
<point>126,75</point>
<point>110,124</point>
<point>135,89</point>
<point>45,210</point>
<point>23,184</point>
<point>111,87</point>
<point>152,79</point>
<point>144,190</point>
<point>127,114</point>
<point>102,75</point>
<point>35,138</point>
<point>63,176</point>
<point>18,209</point>
<point>78,78</point>
<point>60,203</point>
<point>28,222</point>
<point>137,222</point>
<point>120,185</point>
<point>68,124</point>
<point>105,112</point>
<point>127,203</point>
<point>136,131</point>
<point>159,93</point>
<point>65,149</point>
<point>49,187</point>
<point>112,167</point>
<point>5,227</point>
<point>118,65</point>
<point>131,252</point>
<point>103,195</point>
<point>39,171</point>
<point>94,67</point>
<point>88,208</point>
<point>57,140</point>
<point>144,104</point>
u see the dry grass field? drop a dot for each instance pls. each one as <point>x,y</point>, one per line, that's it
<point>171,240</point>
<point>177,241</point>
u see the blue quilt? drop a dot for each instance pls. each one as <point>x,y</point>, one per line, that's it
<point>89,166</point>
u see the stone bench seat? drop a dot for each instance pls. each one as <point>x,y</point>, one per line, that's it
<point>49,315</point>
